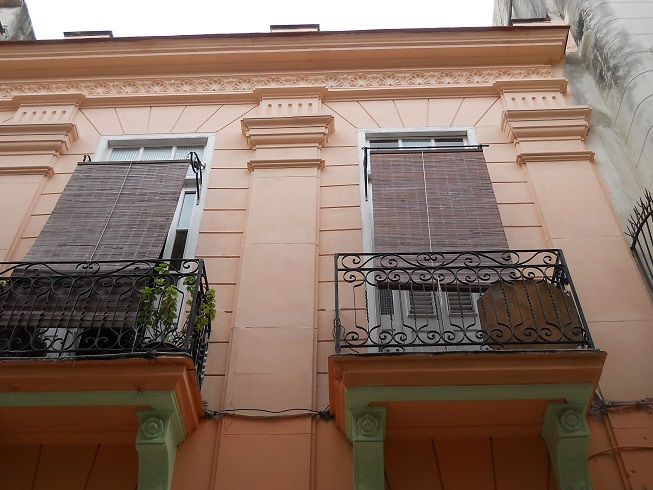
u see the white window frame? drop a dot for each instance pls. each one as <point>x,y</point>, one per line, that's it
<point>468,134</point>
<point>365,136</point>
<point>206,140</point>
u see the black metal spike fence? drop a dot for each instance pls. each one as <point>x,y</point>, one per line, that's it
<point>640,230</point>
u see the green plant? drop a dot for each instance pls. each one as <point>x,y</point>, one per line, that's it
<point>158,309</point>
<point>206,304</point>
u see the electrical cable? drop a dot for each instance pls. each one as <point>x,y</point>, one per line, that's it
<point>598,453</point>
<point>286,413</point>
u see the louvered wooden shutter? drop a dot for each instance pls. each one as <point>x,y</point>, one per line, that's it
<point>435,200</point>
<point>112,211</point>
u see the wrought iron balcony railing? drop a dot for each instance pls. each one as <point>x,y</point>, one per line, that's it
<point>456,301</point>
<point>111,309</point>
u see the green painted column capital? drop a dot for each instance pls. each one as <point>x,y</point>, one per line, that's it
<point>368,424</point>
<point>367,435</point>
<point>157,448</point>
<point>567,437</point>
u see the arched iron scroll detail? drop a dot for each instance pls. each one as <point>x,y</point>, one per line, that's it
<point>196,166</point>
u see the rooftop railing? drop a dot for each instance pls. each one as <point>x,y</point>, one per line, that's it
<point>456,301</point>
<point>135,308</point>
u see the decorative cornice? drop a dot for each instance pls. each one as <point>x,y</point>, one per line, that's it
<point>559,122</point>
<point>534,85</point>
<point>287,130</point>
<point>50,98</point>
<point>287,141</point>
<point>248,84</point>
<point>555,156</point>
<point>46,170</point>
<point>37,137</point>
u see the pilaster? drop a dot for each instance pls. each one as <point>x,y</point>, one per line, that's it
<point>567,437</point>
<point>157,447</point>
<point>271,363</point>
<point>367,436</point>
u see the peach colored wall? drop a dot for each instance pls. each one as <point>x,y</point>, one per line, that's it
<point>620,451</point>
<point>500,464</point>
<point>68,467</point>
<point>17,194</point>
<point>533,207</point>
<point>225,214</point>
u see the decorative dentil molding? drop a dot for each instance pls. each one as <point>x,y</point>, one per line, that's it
<point>249,83</point>
<point>46,108</point>
<point>535,94</point>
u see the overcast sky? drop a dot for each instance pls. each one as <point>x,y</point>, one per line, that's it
<point>170,17</point>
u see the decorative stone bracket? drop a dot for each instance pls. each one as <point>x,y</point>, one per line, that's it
<point>367,436</point>
<point>156,444</point>
<point>567,436</point>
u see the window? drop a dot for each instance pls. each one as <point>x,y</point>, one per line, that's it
<point>427,192</point>
<point>152,153</point>
<point>135,202</point>
<point>419,142</point>
<point>178,236</point>
<point>122,204</point>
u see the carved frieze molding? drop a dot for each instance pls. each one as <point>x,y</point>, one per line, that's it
<point>246,84</point>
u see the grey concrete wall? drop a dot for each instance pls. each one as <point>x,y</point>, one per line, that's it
<point>615,39</point>
<point>507,10</point>
<point>16,21</point>
<point>612,72</point>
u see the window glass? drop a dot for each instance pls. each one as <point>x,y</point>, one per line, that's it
<point>123,154</point>
<point>384,144</point>
<point>416,143</point>
<point>157,153</point>
<point>182,152</point>
<point>449,142</point>
<point>186,210</point>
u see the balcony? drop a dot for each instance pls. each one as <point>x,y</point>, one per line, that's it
<point>118,309</point>
<point>106,349</point>
<point>457,301</point>
<point>460,345</point>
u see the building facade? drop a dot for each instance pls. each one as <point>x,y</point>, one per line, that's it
<point>15,22</point>
<point>608,66</point>
<point>313,261</point>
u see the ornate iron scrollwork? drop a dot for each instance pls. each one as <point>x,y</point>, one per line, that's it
<point>197,166</point>
<point>457,301</point>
